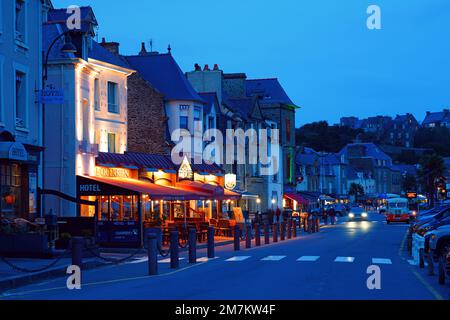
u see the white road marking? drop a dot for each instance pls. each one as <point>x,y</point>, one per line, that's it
<point>381,261</point>
<point>412,262</point>
<point>238,259</point>
<point>168,260</point>
<point>140,260</point>
<point>206,259</point>
<point>345,259</point>
<point>308,259</point>
<point>274,258</point>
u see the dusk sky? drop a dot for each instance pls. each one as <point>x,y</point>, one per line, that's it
<point>321,50</point>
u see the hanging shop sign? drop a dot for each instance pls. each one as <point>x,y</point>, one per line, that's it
<point>230,181</point>
<point>51,96</point>
<point>185,172</point>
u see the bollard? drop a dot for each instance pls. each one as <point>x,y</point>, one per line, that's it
<point>421,259</point>
<point>289,230</point>
<point>174,251</point>
<point>275,232</point>
<point>294,230</point>
<point>317,225</point>
<point>248,237</point>
<point>257,235</point>
<point>283,231</point>
<point>237,239</point>
<point>77,251</point>
<point>152,251</point>
<point>430,265</point>
<point>266,234</point>
<point>211,248</point>
<point>192,245</point>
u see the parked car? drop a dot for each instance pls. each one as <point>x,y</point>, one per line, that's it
<point>437,244</point>
<point>358,213</point>
<point>340,209</point>
<point>432,216</point>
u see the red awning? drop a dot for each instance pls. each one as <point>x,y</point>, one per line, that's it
<point>213,191</point>
<point>297,197</point>
<point>154,191</point>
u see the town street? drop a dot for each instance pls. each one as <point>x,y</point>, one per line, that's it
<point>329,265</point>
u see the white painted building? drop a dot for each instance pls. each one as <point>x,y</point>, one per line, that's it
<point>93,117</point>
<point>20,111</point>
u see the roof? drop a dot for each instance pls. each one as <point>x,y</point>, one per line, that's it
<point>49,33</point>
<point>163,73</point>
<point>242,106</point>
<point>60,16</point>
<point>211,101</point>
<point>370,150</point>
<point>306,159</point>
<point>269,90</point>
<point>101,54</point>
<point>434,117</point>
<point>405,169</point>
<point>151,161</point>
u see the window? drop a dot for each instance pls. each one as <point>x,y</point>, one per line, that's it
<point>96,95</point>
<point>111,142</point>
<point>211,123</point>
<point>197,114</point>
<point>20,106</point>
<point>184,122</point>
<point>113,104</point>
<point>288,130</point>
<point>20,20</point>
<point>11,186</point>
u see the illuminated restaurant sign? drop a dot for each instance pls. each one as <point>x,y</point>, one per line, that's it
<point>112,172</point>
<point>185,172</point>
<point>230,181</point>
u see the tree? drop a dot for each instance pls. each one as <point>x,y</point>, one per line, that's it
<point>410,183</point>
<point>356,190</point>
<point>434,138</point>
<point>431,171</point>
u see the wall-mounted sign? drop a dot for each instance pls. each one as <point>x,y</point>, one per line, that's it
<point>230,181</point>
<point>185,172</point>
<point>51,96</point>
<point>105,172</point>
<point>411,195</point>
<point>13,151</point>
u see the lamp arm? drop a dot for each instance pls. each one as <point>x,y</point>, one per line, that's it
<point>45,77</point>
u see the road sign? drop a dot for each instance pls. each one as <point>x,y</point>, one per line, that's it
<point>411,195</point>
<point>51,96</point>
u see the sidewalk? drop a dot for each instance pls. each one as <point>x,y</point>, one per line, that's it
<point>11,278</point>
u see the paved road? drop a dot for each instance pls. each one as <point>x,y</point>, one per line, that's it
<point>329,265</point>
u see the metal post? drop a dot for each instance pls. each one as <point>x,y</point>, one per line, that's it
<point>211,249</point>
<point>77,251</point>
<point>174,250</point>
<point>430,265</point>
<point>294,230</point>
<point>289,230</point>
<point>152,251</point>
<point>421,259</point>
<point>248,237</point>
<point>266,234</point>
<point>237,240</point>
<point>192,245</point>
<point>257,235</point>
<point>283,231</point>
<point>275,232</point>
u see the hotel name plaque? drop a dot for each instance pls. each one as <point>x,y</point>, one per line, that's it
<point>104,172</point>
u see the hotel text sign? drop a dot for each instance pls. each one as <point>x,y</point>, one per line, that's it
<point>112,172</point>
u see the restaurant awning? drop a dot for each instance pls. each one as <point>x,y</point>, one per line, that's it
<point>154,191</point>
<point>214,192</point>
<point>297,197</point>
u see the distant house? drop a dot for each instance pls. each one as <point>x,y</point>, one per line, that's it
<point>351,122</point>
<point>437,119</point>
<point>402,130</point>
<point>361,178</point>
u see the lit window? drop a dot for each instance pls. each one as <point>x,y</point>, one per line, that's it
<point>184,122</point>
<point>113,104</point>
<point>111,142</point>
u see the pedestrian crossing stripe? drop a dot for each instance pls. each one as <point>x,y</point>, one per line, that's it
<point>274,258</point>
<point>168,260</point>
<point>381,261</point>
<point>308,259</point>
<point>238,259</point>
<point>345,259</point>
<point>206,259</point>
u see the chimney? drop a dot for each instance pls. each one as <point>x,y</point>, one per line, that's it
<point>112,47</point>
<point>206,68</point>
<point>428,113</point>
<point>216,67</point>
<point>446,111</point>
<point>143,50</point>
<point>197,67</point>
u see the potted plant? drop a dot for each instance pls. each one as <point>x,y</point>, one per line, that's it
<point>63,242</point>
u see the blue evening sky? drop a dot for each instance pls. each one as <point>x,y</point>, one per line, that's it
<point>321,50</point>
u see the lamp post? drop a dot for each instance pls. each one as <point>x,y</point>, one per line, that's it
<point>68,47</point>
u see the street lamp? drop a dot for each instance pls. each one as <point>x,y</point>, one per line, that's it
<point>68,47</point>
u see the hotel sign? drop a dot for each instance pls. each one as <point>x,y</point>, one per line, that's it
<point>105,172</point>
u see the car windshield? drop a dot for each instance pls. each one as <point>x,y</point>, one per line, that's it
<point>398,205</point>
<point>357,210</point>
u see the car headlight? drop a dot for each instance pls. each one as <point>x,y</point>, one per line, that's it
<point>364,215</point>
<point>351,215</point>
